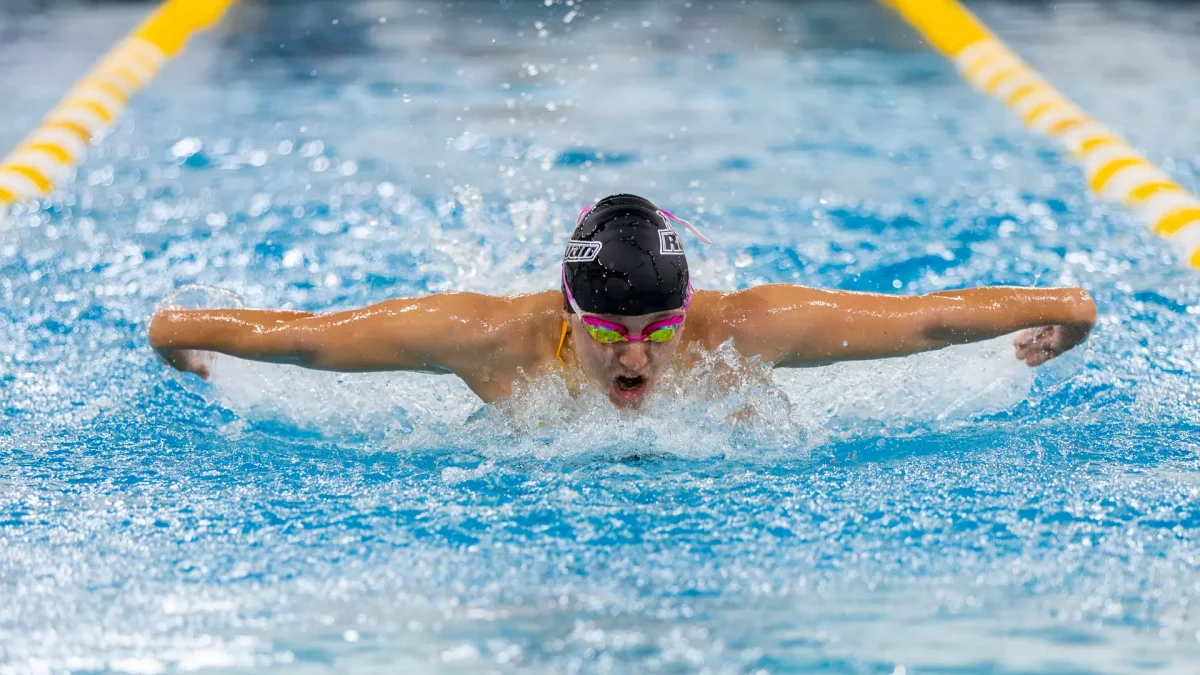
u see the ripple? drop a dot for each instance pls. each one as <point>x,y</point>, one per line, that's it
<point>952,511</point>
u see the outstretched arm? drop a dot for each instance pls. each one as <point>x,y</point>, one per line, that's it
<point>797,326</point>
<point>444,333</point>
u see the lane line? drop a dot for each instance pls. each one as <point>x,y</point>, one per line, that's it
<point>1113,169</point>
<point>52,150</point>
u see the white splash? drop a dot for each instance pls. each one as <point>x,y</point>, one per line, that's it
<point>725,405</point>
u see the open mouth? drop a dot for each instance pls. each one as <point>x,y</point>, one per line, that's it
<point>630,384</point>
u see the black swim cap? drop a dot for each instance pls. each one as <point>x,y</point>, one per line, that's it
<point>624,258</point>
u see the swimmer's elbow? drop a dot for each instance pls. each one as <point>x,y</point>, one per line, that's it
<point>934,328</point>
<point>354,353</point>
<point>285,345</point>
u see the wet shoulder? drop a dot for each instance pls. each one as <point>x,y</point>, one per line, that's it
<point>705,317</point>
<point>537,320</point>
<point>522,336</point>
<point>540,306</point>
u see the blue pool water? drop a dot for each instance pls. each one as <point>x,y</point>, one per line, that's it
<point>952,512</point>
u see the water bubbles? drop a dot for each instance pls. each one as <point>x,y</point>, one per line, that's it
<point>463,652</point>
<point>138,666</point>
<point>186,147</point>
<point>868,513</point>
<point>259,203</point>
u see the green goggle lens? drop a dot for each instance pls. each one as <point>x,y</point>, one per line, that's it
<point>608,336</point>
<point>605,336</point>
<point>663,334</point>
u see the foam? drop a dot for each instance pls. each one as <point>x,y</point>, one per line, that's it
<point>692,414</point>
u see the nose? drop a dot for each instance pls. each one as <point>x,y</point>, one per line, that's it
<point>634,355</point>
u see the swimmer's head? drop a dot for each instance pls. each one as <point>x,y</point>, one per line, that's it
<point>626,292</point>
<point>625,259</point>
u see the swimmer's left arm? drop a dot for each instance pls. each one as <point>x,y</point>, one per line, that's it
<point>795,326</point>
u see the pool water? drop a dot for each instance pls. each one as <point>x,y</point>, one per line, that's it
<point>953,512</point>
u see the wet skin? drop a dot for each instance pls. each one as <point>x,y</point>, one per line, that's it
<point>493,342</point>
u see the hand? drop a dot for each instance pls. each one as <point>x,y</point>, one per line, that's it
<point>188,360</point>
<point>1038,345</point>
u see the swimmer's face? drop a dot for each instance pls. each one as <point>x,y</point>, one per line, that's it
<point>626,371</point>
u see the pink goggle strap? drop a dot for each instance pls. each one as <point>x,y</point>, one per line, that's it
<point>586,210</point>
<point>691,228</point>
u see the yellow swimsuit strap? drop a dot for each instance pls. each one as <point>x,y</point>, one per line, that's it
<point>562,339</point>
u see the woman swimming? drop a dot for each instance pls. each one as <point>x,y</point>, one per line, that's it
<point>625,310</point>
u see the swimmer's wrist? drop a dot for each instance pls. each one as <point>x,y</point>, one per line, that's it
<point>1069,307</point>
<point>158,331</point>
<point>1082,308</point>
<point>167,328</point>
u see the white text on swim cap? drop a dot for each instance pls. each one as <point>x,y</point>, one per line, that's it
<point>668,242</point>
<point>582,251</point>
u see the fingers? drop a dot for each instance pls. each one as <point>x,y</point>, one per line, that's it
<point>189,361</point>
<point>1038,354</point>
<point>1033,358</point>
<point>1027,336</point>
<point>1031,350</point>
<point>1038,351</point>
<point>199,363</point>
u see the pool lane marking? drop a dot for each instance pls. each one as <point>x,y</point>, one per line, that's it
<point>1113,169</point>
<point>59,143</point>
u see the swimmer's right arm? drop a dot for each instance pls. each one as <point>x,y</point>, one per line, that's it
<point>443,333</point>
<point>170,329</point>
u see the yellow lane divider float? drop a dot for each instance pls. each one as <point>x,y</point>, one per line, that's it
<point>1113,169</point>
<point>47,155</point>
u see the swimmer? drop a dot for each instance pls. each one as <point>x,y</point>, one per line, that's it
<point>625,314</point>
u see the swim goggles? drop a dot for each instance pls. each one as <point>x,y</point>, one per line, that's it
<point>608,333</point>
